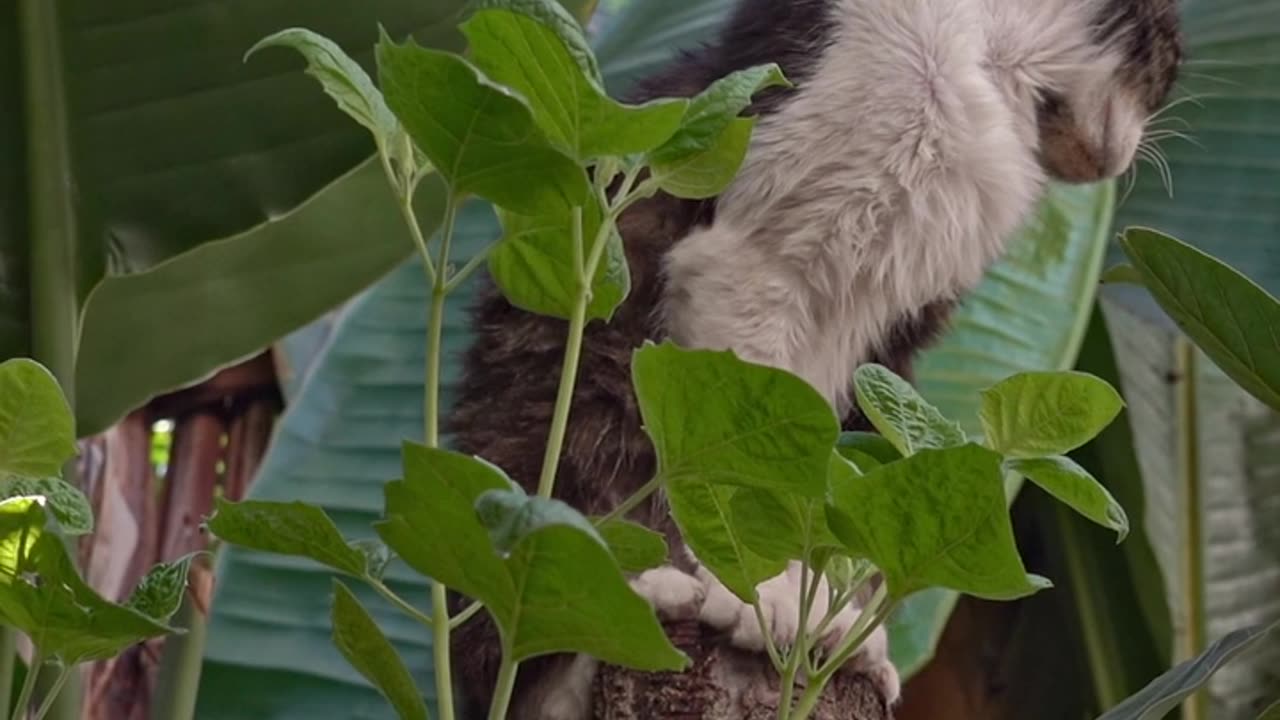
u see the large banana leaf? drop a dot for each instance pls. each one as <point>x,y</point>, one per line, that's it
<point>358,399</point>
<point>1227,202</point>
<point>162,139</point>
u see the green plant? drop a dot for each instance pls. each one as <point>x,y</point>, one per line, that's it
<point>460,521</point>
<point>41,593</point>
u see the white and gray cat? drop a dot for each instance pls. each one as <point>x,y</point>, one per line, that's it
<point>919,137</point>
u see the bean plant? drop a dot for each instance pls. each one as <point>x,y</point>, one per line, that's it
<point>751,458</point>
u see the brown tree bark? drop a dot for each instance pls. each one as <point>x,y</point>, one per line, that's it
<point>722,683</point>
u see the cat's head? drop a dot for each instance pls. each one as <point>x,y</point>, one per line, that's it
<point>1094,110</point>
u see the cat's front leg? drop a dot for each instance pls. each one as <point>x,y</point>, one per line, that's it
<point>779,599</point>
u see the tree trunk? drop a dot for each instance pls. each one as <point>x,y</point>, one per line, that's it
<point>722,683</point>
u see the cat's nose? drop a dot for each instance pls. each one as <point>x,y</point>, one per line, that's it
<point>1075,160</point>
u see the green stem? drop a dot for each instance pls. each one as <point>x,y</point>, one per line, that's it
<point>457,620</point>
<point>459,277</point>
<point>440,631</point>
<point>178,683</point>
<point>399,602</point>
<point>54,269</point>
<point>64,674</point>
<point>1193,636</point>
<point>505,686</point>
<point>572,356</point>
<point>632,502</point>
<point>435,325</point>
<point>8,662</point>
<point>876,612</point>
<point>28,688</point>
<point>775,657</point>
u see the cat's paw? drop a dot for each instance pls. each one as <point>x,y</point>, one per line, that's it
<point>673,593</point>
<point>872,660</point>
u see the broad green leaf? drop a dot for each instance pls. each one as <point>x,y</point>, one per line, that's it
<point>1230,317</point>
<point>706,173</point>
<point>63,500</point>
<point>635,547</point>
<point>341,77</point>
<point>430,521</point>
<point>480,137</point>
<point>715,418</point>
<point>511,516</point>
<point>214,299</point>
<point>136,190</point>
<point>363,644</point>
<point>891,516</point>
<point>42,595</point>
<point>901,415</point>
<point>705,519</point>
<point>36,432</point>
<point>866,450</point>
<point>159,593</point>
<point>535,48</point>
<point>1271,713</point>
<point>1167,692</point>
<point>1071,484</point>
<point>571,596</point>
<point>1047,413</point>
<point>714,111</point>
<point>534,266</point>
<point>294,528</point>
<point>768,525</point>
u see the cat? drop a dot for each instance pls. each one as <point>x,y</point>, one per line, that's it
<point>919,135</point>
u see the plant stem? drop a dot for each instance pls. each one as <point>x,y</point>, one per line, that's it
<point>64,674</point>
<point>399,602</point>
<point>505,686</point>
<point>440,649</point>
<point>465,615</point>
<point>54,269</point>
<point>435,324</point>
<point>178,683</point>
<point>632,502</point>
<point>876,612</point>
<point>1193,636</point>
<point>8,662</point>
<point>28,687</point>
<point>572,356</point>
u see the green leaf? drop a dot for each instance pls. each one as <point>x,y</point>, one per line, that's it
<point>890,516</point>
<point>36,432</point>
<point>714,111</point>
<point>431,523</point>
<point>136,192</point>
<point>159,593</point>
<point>534,266</point>
<point>63,500</point>
<point>294,528</point>
<point>715,418</point>
<point>706,173</point>
<point>363,644</point>
<point>1229,316</point>
<point>901,415</point>
<point>1123,274</point>
<point>1271,713</point>
<point>549,580</point>
<point>635,547</point>
<point>341,77</point>
<point>1167,692</point>
<point>42,595</point>
<point>535,48</point>
<point>769,526</point>
<point>703,514</point>
<point>866,450</point>
<point>1047,413</point>
<point>511,516</point>
<point>1064,479</point>
<point>480,136</point>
